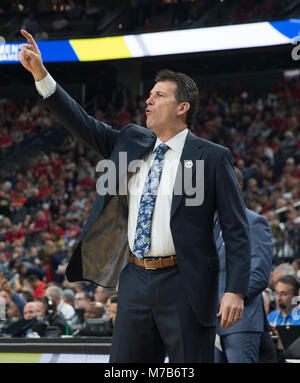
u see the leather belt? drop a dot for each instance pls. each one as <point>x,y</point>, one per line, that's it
<point>153,264</point>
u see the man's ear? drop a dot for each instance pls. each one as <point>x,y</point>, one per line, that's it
<point>183,107</point>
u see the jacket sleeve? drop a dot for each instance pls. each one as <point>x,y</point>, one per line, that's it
<point>261,256</point>
<point>19,302</point>
<point>93,133</point>
<point>235,228</point>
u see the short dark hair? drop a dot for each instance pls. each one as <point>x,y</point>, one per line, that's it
<point>27,295</point>
<point>186,91</point>
<point>114,299</point>
<point>33,278</point>
<point>290,280</point>
<point>110,295</point>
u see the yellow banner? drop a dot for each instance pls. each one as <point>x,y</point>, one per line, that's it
<point>106,48</point>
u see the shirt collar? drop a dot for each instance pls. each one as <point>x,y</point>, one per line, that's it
<point>289,316</point>
<point>175,143</point>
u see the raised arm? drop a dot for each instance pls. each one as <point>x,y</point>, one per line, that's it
<point>31,58</point>
<point>91,132</point>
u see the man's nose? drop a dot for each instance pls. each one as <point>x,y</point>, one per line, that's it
<point>149,100</point>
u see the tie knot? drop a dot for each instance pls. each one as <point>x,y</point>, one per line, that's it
<point>162,148</point>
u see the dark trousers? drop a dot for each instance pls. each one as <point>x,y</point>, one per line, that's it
<point>240,347</point>
<point>154,319</point>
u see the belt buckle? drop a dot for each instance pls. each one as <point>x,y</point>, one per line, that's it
<point>148,268</point>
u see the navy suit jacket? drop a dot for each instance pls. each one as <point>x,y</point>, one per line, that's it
<point>102,249</point>
<point>261,261</point>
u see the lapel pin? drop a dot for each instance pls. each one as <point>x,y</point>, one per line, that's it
<point>188,164</point>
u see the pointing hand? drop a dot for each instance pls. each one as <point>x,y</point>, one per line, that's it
<point>30,57</point>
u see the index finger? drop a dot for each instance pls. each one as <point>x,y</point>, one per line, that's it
<point>29,38</point>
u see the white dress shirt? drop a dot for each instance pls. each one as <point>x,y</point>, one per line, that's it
<point>161,237</point>
<point>66,310</point>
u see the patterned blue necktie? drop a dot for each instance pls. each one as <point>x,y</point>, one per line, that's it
<point>142,239</point>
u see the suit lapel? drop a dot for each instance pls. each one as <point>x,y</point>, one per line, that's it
<point>192,151</point>
<point>141,144</point>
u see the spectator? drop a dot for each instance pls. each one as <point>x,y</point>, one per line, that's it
<point>25,270</point>
<point>93,310</point>
<point>278,272</point>
<point>13,300</point>
<point>111,308</point>
<point>17,135</point>
<point>287,311</point>
<point>33,201</point>
<point>37,285</point>
<point>55,294</point>
<point>40,224</point>
<point>68,296</point>
<point>47,310</point>
<point>81,302</point>
<point>101,293</point>
<point>51,262</point>
<point>30,311</point>
<point>286,289</point>
<point>288,145</point>
<point>24,326</point>
<point>15,236</point>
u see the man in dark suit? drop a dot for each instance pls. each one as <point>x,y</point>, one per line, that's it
<point>241,342</point>
<point>157,243</point>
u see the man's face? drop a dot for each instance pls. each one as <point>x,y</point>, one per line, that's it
<point>99,294</point>
<point>80,302</point>
<point>162,106</point>
<point>284,296</point>
<point>40,309</point>
<point>30,311</point>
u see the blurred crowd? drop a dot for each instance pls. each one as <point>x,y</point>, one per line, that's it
<point>256,10</point>
<point>43,207</point>
<point>45,202</point>
<point>262,131</point>
<point>45,19</point>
